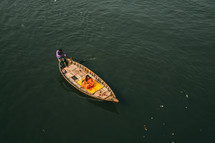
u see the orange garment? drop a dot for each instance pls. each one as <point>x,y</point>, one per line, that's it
<point>88,84</point>
<point>85,84</point>
<point>91,82</point>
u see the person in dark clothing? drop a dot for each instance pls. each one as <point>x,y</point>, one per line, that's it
<point>63,64</point>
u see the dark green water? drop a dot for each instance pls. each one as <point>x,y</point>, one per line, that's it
<point>157,56</point>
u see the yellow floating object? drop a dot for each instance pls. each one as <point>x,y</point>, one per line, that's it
<point>96,87</point>
<point>145,128</point>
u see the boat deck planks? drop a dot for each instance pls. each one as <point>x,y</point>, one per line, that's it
<point>77,72</point>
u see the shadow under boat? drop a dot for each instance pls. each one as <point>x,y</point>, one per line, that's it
<point>107,105</point>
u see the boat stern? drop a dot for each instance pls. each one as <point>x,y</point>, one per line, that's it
<point>115,100</point>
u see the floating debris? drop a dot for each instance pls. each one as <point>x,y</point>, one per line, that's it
<point>173,134</point>
<point>145,128</point>
<point>187,96</point>
<point>43,130</point>
<point>173,142</point>
<point>152,118</point>
<point>161,106</point>
<point>55,0</point>
<point>186,107</point>
<point>144,136</point>
<point>164,124</point>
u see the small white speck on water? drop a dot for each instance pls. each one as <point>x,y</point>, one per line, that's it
<point>144,136</point>
<point>55,0</point>
<point>161,106</point>
<point>152,118</point>
<point>173,134</point>
<point>187,96</point>
<point>173,142</point>
<point>164,124</point>
<point>43,130</point>
<point>186,107</point>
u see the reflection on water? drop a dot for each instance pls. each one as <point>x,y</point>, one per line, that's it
<point>109,106</point>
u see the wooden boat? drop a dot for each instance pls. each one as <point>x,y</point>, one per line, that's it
<point>76,72</point>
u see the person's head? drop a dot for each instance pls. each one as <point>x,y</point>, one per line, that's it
<point>87,77</point>
<point>60,51</point>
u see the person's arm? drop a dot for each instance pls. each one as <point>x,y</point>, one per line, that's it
<point>58,56</point>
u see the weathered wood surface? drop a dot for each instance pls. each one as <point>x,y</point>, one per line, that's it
<point>80,71</point>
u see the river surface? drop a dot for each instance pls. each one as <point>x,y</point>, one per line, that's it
<point>158,56</point>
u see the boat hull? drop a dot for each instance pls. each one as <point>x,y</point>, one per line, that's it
<point>75,73</point>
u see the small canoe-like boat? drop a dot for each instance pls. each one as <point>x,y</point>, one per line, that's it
<point>75,74</point>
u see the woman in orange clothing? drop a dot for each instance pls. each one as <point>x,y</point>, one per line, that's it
<point>88,82</point>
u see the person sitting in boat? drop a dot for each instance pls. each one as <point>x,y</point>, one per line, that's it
<point>88,82</point>
<point>60,53</point>
<point>63,64</point>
